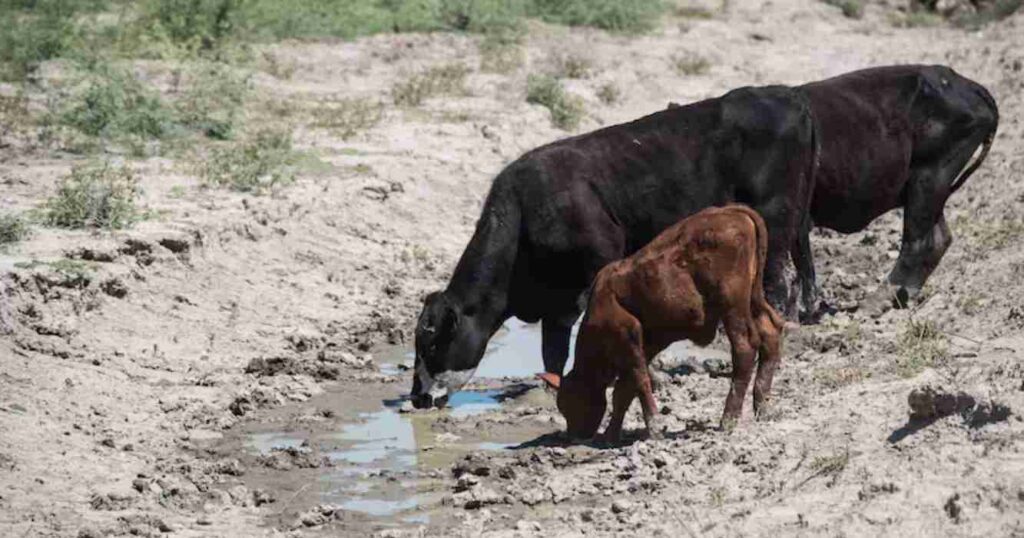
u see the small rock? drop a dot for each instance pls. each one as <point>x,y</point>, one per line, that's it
<point>621,506</point>
<point>465,482</point>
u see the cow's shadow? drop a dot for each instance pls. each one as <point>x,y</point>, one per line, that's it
<point>628,438</point>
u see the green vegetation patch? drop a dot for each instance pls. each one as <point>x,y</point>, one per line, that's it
<point>94,196</point>
<point>566,109</point>
<point>256,165</point>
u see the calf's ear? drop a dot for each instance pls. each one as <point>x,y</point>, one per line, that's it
<point>552,380</point>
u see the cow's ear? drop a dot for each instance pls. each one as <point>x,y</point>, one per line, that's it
<point>552,380</point>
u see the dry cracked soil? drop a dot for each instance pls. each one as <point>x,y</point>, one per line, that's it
<point>234,364</point>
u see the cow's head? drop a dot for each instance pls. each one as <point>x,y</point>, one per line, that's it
<point>449,345</point>
<point>582,404</point>
<point>918,258</point>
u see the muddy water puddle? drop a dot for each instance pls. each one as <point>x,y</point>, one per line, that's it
<point>388,465</point>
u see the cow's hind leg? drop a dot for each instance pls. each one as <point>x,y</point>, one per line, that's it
<point>738,329</point>
<point>769,357</point>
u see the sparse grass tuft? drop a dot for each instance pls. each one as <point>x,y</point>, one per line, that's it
<point>609,93</point>
<point>830,466</point>
<point>13,228</point>
<point>983,237</point>
<point>348,116</point>
<point>852,9</point>
<point>502,52</point>
<point>693,12</point>
<point>94,196</point>
<point>833,378</point>
<point>916,19</point>
<point>444,79</point>
<point>256,165</point>
<point>566,109</point>
<point>213,100</point>
<point>921,345</point>
<point>690,64</point>
<point>633,16</point>
<point>573,65</point>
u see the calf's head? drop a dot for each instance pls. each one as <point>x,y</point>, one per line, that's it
<point>449,345</point>
<point>581,403</point>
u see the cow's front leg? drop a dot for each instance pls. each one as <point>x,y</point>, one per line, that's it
<point>622,397</point>
<point>555,333</point>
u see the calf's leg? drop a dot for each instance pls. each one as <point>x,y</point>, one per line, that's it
<point>622,397</point>
<point>737,328</point>
<point>641,376</point>
<point>769,357</point>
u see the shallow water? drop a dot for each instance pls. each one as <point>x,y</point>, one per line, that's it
<point>377,457</point>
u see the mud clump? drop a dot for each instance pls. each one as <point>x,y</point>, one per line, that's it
<point>288,458</point>
<point>931,403</point>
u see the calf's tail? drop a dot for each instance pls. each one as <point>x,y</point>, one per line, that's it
<point>758,304</point>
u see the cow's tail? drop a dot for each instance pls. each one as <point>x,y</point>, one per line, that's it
<point>758,304</point>
<point>966,173</point>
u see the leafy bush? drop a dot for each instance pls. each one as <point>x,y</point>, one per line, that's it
<point>348,116</point>
<point>114,104</point>
<point>257,165</point>
<point>443,79</point>
<point>94,196</point>
<point>566,110</point>
<point>34,31</point>
<point>213,100</point>
<point>196,24</point>
<point>13,228</point>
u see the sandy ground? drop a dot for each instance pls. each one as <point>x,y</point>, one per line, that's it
<point>122,385</point>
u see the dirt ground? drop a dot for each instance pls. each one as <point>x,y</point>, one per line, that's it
<point>122,384</point>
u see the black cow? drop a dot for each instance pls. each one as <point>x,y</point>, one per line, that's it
<point>891,137</point>
<point>558,214</point>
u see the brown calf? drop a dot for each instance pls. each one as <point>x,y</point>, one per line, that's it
<point>703,270</point>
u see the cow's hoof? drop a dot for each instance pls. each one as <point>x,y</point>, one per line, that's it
<point>423,401</point>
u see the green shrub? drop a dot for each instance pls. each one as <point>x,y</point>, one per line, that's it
<point>196,24</point>
<point>32,31</point>
<point>445,79</point>
<point>115,105</point>
<point>13,228</point>
<point>256,165</point>
<point>628,16</point>
<point>566,110</point>
<point>213,100</point>
<point>348,116</point>
<point>94,196</point>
